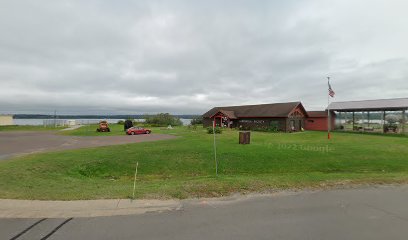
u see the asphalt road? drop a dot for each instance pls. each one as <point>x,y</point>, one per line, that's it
<point>368,213</point>
<point>15,143</point>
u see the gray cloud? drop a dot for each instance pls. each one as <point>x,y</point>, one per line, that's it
<point>185,57</point>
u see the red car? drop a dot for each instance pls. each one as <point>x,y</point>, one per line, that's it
<point>137,130</point>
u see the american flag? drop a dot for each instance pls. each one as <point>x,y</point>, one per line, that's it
<point>331,92</point>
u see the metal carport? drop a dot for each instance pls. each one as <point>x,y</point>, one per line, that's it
<point>366,108</point>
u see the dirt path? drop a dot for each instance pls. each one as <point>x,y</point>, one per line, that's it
<point>17,143</point>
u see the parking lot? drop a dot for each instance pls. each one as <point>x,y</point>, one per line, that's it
<point>19,142</point>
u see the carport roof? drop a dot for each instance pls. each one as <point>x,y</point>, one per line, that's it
<point>394,104</point>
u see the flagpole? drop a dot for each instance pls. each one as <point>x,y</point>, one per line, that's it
<point>328,110</point>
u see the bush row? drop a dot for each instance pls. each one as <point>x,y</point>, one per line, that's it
<point>158,120</point>
<point>210,130</point>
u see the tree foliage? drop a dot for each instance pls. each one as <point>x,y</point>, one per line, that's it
<point>197,121</point>
<point>217,130</point>
<point>163,119</point>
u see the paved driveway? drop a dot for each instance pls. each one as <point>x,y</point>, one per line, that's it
<point>16,143</point>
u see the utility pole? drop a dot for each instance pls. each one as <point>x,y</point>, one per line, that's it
<point>215,150</point>
<point>55,118</point>
<point>403,121</point>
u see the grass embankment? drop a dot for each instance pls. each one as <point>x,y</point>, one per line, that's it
<point>28,128</point>
<point>184,167</point>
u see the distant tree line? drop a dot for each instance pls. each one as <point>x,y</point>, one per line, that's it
<point>162,119</point>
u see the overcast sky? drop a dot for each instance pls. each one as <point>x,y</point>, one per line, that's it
<point>101,57</point>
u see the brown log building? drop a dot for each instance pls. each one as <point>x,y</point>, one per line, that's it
<point>287,117</point>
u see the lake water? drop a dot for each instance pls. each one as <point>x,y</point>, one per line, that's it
<point>37,122</point>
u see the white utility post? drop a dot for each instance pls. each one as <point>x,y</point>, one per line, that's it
<point>215,151</point>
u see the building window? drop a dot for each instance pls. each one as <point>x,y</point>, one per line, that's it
<point>311,121</point>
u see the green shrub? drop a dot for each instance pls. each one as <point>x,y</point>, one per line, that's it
<point>218,130</point>
<point>244,128</point>
<point>272,128</point>
<point>192,127</point>
<point>265,129</point>
<point>121,122</point>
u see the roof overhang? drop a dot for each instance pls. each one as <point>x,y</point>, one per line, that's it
<point>368,109</point>
<point>397,104</point>
<point>229,114</point>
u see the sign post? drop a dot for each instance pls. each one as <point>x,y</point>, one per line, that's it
<point>134,182</point>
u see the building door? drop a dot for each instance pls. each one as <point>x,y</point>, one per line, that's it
<point>292,125</point>
<point>300,125</point>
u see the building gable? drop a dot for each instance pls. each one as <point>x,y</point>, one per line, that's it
<point>298,112</point>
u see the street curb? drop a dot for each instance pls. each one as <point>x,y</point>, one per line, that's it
<point>10,208</point>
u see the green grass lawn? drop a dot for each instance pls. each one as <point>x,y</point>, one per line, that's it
<point>184,167</point>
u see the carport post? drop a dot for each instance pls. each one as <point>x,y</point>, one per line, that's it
<point>383,122</point>
<point>354,119</point>
<point>345,120</point>
<point>337,121</point>
<point>368,119</point>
